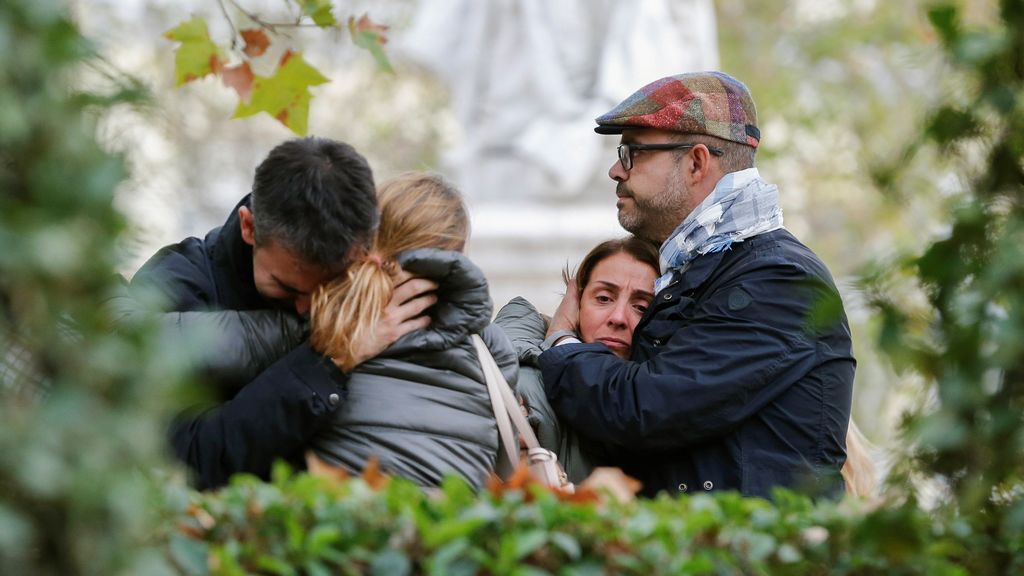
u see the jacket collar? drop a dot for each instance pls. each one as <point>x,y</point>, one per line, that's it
<point>232,265</point>
<point>464,306</point>
<point>695,272</point>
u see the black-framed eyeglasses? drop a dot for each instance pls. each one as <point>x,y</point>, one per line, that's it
<point>626,151</point>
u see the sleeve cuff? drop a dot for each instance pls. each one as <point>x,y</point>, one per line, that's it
<point>320,374</point>
<point>558,338</point>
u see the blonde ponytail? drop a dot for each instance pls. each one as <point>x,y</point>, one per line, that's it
<point>345,311</point>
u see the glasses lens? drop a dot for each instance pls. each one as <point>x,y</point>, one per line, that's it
<point>625,158</point>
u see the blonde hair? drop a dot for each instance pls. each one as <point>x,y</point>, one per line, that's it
<point>859,470</point>
<point>418,210</point>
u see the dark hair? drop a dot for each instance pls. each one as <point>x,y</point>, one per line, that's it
<point>316,197</point>
<point>642,250</point>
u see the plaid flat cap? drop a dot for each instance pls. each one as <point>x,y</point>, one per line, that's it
<point>711,103</point>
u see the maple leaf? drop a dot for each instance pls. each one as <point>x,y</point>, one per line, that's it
<point>373,476</point>
<point>317,467</point>
<point>370,35</point>
<point>319,11</point>
<point>197,56</point>
<point>285,95</point>
<point>240,78</point>
<point>256,42</point>
<point>581,495</point>
<point>520,477</point>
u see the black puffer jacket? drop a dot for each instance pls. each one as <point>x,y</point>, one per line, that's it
<point>264,414</point>
<point>422,406</point>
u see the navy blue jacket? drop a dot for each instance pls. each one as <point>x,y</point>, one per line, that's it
<point>271,417</point>
<point>741,377</point>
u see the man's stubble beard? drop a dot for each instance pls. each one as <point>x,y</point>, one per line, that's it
<point>655,218</point>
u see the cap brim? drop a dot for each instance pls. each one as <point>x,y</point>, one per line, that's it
<point>609,129</point>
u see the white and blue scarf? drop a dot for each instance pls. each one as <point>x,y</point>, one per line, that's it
<point>741,206</point>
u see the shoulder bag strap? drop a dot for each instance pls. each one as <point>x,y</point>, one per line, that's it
<point>509,445</point>
<point>542,462</point>
<point>496,381</point>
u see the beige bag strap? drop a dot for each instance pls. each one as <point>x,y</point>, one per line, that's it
<point>508,440</point>
<point>505,406</point>
<point>542,462</point>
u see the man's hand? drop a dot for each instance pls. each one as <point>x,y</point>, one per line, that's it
<point>567,316</point>
<point>403,314</point>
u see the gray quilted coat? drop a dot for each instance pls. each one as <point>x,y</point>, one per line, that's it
<point>422,407</point>
<point>526,327</point>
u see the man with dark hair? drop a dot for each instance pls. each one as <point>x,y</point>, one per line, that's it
<point>313,204</point>
<point>741,371</point>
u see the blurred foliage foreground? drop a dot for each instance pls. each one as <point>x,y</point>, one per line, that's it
<point>81,482</point>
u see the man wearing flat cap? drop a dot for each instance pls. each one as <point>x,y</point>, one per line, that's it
<point>741,372</point>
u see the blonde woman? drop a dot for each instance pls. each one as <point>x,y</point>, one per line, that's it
<point>421,407</point>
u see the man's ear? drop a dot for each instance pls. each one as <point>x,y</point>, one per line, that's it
<point>248,225</point>
<point>700,163</point>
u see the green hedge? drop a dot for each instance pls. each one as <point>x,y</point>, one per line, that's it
<point>303,524</point>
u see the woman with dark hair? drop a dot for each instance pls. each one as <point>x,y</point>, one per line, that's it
<point>615,281</point>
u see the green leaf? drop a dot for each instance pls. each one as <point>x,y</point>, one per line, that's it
<point>754,545</point>
<point>226,559</point>
<point>285,95</point>
<point>370,35</point>
<point>946,20</point>
<point>295,532</point>
<point>941,430</point>
<point>826,311</point>
<point>446,530</point>
<point>789,554</point>
<point>452,558</point>
<point>530,571</point>
<point>567,544</point>
<point>315,568</point>
<point>280,473</point>
<point>319,11</point>
<point>529,542</point>
<point>950,124</point>
<point>275,566</point>
<point>321,538</point>
<point>390,563</point>
<point>189,554</point>
<point>197,56</point>
<point>977,47</point>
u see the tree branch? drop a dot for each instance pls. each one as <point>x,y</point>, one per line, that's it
<point>234,31</point>
<point>273,27</point>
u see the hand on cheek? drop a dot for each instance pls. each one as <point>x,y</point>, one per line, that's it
<point>567,316</point>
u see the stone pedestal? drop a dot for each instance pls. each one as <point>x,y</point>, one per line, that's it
<point>523,249</point>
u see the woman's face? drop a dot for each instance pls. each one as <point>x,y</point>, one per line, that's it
<point>618,292</point>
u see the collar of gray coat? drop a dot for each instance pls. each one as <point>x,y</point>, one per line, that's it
<point>463,300</point>
<point>525,327</point>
